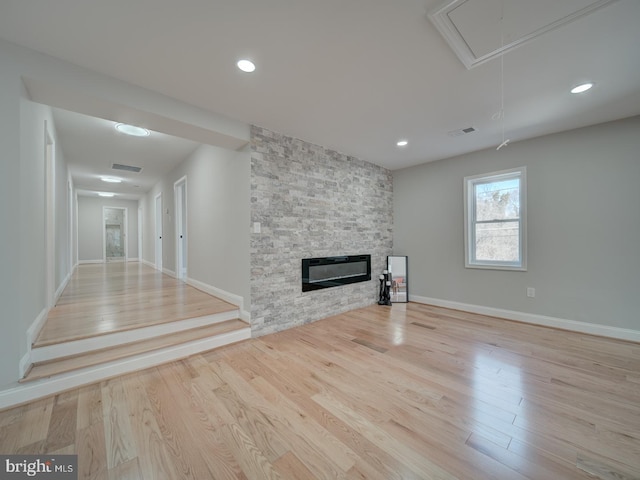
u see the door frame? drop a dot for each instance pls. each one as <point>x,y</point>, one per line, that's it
<point>70,246</point>
<point>125,236</point>
<point>140,237</point>
<point>158,231</point>
<point>49,220</point>
<point>180,200</point>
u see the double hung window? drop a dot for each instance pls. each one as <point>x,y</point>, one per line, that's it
<point>495,220</point>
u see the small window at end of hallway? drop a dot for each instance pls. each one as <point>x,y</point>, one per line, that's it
<point>495,220</point>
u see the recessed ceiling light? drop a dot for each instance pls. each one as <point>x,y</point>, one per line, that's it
<point>106,194</point>
<point>402,143</point>
<point>246,65</point>
<point>111,179</point>
<point>583,87</point>
<point>132,130</point>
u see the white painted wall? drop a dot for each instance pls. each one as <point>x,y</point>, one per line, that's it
<point>10,340</point>
<point>22,256</point>
<point>90,227</point>
<point>62,247</point>
<point>583,227</point>
<point>218,218</point>
<point>33,302</point>
<point>31,205</point>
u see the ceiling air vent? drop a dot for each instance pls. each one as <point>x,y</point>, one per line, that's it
<point>461,131</point>
<point>126,168</point>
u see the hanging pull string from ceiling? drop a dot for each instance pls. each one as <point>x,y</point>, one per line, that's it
<point>500,114</point>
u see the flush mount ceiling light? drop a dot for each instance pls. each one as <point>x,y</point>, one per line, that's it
<point>106,194</point>
<point>583,87</point>
<point>402,143</point>
<point>132,130</point>
<point>111,179</point>
<point>246,65</point>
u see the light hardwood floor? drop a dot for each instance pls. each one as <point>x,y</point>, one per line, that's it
<point>117,296</point>
<point>409,391</point>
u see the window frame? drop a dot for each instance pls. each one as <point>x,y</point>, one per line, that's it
<point>470,222</point>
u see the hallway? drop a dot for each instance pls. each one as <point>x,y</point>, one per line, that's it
<point>119,296</point>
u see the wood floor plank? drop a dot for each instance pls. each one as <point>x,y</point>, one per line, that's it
<point>89,406</point>
<point>419,464</point>
<point>252,461</point>
<point>38,416</point>
<point>512,461</point>
<point>92,452</point>
<point>129,470</point>
<point>377,459</point>
<point>119,440</point>
<point>9,436</point>
<point>153,457</point>
<point>289,466</point>
<point>182,451</point>
<point>598,469</point>
<point>307,429</point>
<point>284,429</point>
<point>254,423</point>
<point>62,427</point>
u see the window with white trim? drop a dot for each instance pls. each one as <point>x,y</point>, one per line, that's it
<point>496,220</point>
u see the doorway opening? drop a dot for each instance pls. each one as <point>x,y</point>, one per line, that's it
<point>115,234</point>
<point>180,195</point>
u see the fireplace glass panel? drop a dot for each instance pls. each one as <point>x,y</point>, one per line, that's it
<point>328,272</point>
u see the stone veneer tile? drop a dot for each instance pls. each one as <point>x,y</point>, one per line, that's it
<point>312,202</point>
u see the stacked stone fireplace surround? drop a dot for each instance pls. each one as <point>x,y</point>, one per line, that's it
<point>310,202</point>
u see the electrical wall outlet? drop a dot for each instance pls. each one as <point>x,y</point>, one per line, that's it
<point>531,292</point>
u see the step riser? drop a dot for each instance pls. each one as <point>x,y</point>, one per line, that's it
<point>49,386</point>
<point>76,347</point>
<point>105,355</point>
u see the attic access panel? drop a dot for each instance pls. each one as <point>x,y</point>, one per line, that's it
<point>472,28</point>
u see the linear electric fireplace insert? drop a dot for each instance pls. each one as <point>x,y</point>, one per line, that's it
<point>328,272</point>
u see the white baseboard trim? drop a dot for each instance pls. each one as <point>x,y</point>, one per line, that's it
<point>84,262</point>
<point>561,323</point>
<point>25,363</point>
<point>61,288</point>
<point>132,259</point>
<point>245,316</point>
<point>27,392</point>
<point>232,298</point>
<point>148,263</point>
<point>36,326</point>
<point>171,273</point>
<point>76,347</point>
<point>32,334</point>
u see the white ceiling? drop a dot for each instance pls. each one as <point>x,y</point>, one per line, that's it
<point>354,75</point>
<point>92,145</point>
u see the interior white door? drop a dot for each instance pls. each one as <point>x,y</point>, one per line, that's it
<point>158,242</point>
<point>180,194</point>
